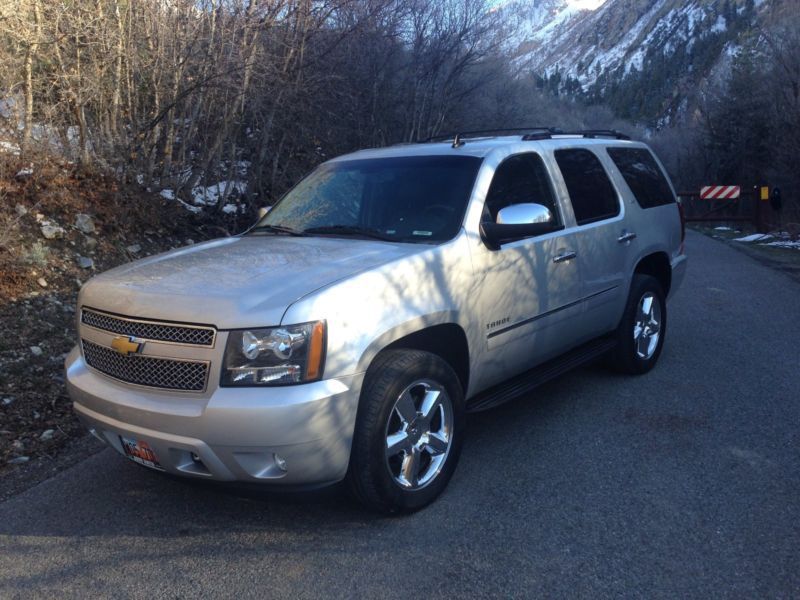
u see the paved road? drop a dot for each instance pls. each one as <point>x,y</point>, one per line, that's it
<point>685,482</point>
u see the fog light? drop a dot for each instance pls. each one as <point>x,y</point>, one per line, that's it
<point>280,462</point>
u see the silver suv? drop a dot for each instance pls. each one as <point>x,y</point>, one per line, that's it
<point>392,291</point>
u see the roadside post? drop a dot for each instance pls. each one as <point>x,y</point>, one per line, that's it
<point>761,199</point>
<point>776,202</point>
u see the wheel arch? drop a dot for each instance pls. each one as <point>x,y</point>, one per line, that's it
<point>657,265</point>
<point>442,337</point>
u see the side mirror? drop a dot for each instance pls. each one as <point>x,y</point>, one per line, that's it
<point>518,221</point>
<point>262,212</point>
<point>524,214</point>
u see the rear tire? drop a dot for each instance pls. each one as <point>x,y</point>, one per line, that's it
<point>409,431</point>
<point>640,334</point>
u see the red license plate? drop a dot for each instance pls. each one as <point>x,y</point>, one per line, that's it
<point>140,451</point>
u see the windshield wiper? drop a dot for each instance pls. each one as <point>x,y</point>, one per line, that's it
<point>279,229</point>
<point>351,230</point>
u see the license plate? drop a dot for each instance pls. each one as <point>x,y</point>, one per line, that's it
<point>140,451</point>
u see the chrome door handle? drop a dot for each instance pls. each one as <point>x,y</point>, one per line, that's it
<point>626,237</point>
<point>564,256</point>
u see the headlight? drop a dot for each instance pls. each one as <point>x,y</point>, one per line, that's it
<point>274,356</point>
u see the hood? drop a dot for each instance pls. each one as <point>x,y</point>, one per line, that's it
<point>235,282</point>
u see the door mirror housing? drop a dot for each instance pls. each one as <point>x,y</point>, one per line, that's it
<point>524,214</point>
<point>518,221</point>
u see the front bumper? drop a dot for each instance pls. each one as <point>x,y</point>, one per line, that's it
<point>233,433</point>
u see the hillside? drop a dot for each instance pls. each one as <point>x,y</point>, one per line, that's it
<point>644,58</point>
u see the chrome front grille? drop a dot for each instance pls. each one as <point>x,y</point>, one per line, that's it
<point>167,373</point>
<point>150,330</point>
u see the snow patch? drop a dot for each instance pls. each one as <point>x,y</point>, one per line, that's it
<point>784,244</point>
<point>755,237</point>
<point>169,194</point>
<point>9,148</point>
<point>723,228</point>
<point>211,195</point>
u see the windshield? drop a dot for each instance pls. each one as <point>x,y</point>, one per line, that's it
<point>406,199</point>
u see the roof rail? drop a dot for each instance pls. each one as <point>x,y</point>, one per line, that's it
<point>458,136</point>
<point>586,133</point>
<point>528,134</point>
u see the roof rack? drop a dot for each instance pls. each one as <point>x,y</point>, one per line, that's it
<point>458,136</point>
<point>528,134</point>
<point>585,133</point>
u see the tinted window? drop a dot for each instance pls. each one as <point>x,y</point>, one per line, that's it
<point>520,179</point>
<point>409,199</point>
<point>643,176</point>
<point>592,195</point>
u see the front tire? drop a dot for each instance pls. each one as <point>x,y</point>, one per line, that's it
<point>641,332</point>
<point>409,431</point>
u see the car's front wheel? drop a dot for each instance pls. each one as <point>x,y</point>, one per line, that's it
<point>408,433</point>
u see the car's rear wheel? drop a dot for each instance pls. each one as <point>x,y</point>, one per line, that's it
<point>408,433</point>
<point>640,335</point>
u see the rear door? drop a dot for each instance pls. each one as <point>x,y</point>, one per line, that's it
<point>605,247</point>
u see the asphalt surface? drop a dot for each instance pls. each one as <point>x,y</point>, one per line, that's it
<point>681,483</point>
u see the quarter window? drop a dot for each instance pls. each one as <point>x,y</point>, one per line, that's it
<point>643,175</point>
<point>592,195</point>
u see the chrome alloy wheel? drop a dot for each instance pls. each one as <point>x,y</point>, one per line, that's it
<point>647,326</point>
<point>419,434</point>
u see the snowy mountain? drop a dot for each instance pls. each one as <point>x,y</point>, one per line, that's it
<point>643,57</point>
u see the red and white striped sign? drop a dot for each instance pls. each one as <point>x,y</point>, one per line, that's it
<point>720,192</point>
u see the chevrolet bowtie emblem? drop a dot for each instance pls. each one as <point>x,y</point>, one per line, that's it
<point>127,345</point>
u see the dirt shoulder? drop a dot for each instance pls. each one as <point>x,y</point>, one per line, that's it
<point>783,259</point>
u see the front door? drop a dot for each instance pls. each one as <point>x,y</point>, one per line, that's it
<point>529,290</point>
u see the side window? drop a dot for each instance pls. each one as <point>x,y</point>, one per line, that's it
<point>592,195</point>
<point>519,179</point>
<point>643,175</point>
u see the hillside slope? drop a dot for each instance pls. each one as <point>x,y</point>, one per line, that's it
<point>642,57</point>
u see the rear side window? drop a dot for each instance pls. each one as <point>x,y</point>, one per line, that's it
<point>592,195</point>
<point>643,176</point>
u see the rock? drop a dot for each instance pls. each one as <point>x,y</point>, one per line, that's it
<point>21,210</point>
<point>36,351</point>
<point>17,445</point>
<point>189,241</point>
<point>90,243</point>
<point>85,263</point>
<point>20,460</point>
<point>7,401</point>
<point>134,248</point>
<point>42,281</point>
<point>47,435</point>
<point>51,230</point>
<point>84,223</point>
<point>24,173</point>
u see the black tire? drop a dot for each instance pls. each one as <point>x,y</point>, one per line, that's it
<point>625,358</point>
<point>369,476</point>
